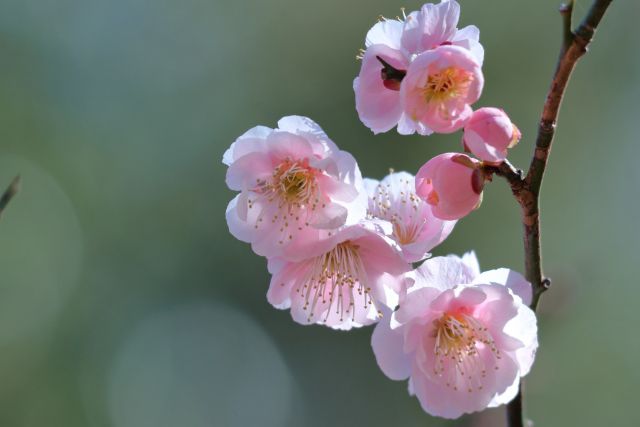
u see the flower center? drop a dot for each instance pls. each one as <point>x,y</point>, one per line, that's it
<point>295,182</point>
<point>293,189</point>
<point>405,233</point>
<point>459,340</point>
<point>336,281</point>
<point>447,84</point>
<point>401,209</point>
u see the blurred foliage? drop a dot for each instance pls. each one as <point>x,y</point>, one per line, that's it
<point>124,301</point>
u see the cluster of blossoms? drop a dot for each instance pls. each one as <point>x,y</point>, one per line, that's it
<point>341,248</point>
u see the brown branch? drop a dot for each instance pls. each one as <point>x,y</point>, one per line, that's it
<point>8,194</point>
<point>515,177</point>
<point>527,190</point>
<point>574,47</point>
<point>514,410</point>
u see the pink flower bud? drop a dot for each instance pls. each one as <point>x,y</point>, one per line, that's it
<point>489,134</point>
<point>452,184</point>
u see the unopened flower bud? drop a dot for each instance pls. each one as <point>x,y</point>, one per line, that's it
<point>452,184</point>
<point>489,134</point>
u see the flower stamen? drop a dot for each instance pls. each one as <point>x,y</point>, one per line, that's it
<point>402,213</point>
<point>459,339</point>
<point>447,84</point>
<point>293,187</point>
<point>336,279</point>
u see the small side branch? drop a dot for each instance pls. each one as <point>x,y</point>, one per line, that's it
<point>9,193</point>
<point>566,10</point>
<point>507,171</point>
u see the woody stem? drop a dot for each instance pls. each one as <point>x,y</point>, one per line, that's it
<point>527,189</point>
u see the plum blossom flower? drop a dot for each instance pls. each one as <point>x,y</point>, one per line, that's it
<point>296,187</point>
<point>452,184</point>
<point>489,133</point>
<point>391,46</point>
<point>438,90</point>
<point>345,283</point>
<point>463,339</point>
<point>415,229</point>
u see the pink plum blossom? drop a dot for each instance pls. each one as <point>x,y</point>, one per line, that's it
<point>463,339</point>
<point>415,229</point>
<point>438,90</point>
<point>489,133</point>
<point>452,184</point>
<point>295,185</point>
<point>391,45</point>
<point>346,281</point>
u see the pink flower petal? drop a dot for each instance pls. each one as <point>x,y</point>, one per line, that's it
<point>433,25</point>
<point>378,107</point>
<point>386,32</point>
<point>509,278</point>
<point>387,347</point>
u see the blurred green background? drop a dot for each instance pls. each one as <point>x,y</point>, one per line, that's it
<point>125,302</point>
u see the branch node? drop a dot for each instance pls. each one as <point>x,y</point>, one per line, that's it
<point>546,283</point>
<point>547,126</point>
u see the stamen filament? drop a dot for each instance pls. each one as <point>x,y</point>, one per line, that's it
<point>459,339</point>
<point>336,276</point>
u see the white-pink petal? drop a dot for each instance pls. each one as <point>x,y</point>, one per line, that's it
<point>443,273</point>
<point>378,106</point>
<point>509,278</point>
<point>387,347</point>
<point>387,32</point>
<point>434,25</point>
<point>469,38</point>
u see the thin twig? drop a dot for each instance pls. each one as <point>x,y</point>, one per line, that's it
<point>546,130</point>
<point>527,190</point>
<point>8,194</point>
<point>566,10</point>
